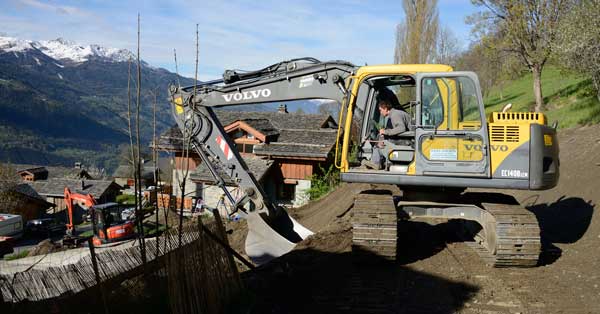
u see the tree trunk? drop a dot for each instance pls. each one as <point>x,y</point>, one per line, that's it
<point>537,87</point>
<point>596,82</point>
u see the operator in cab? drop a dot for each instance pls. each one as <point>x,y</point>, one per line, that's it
<point>398,121</point>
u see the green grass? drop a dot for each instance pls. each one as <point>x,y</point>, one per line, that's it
<point>150,229</point>
<point>13,257</point>
<point>126,199</point>
<point>569,98</point>
<point>86,234</point>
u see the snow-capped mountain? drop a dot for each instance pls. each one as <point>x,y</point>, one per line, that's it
<point>64,50</point>
<point>68,102</point>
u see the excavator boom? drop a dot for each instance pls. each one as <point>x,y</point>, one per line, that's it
<point>87,200</point>
<point>271,231</point>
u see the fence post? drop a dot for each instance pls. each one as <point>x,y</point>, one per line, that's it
<point>97,273</point>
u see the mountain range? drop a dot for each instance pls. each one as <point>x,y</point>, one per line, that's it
<point>61,102</point>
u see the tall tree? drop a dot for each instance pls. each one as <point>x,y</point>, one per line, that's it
<point>447,47</point>
<point>494,67</point>
<point>527,28</point>
<point>579,40</point>
<point>416,35</point>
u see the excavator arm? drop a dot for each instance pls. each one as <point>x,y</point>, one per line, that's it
<point>271,231</point>
<point>87,199</point>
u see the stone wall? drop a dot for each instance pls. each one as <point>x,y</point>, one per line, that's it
<point>301,196</point>
<point>192,189</point>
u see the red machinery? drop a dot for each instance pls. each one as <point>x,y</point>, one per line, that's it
<point>87,199</point>
<point>108,223</point>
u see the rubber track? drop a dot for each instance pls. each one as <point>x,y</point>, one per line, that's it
<point>374,224</point>
<point>517,237</point>
<point>515,230</point>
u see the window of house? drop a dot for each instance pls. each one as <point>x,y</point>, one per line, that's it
<point>237,134</point>
<point>244,148</point>
<point>286,192</point>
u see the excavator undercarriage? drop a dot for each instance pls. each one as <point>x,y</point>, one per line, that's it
<point>504,235</point>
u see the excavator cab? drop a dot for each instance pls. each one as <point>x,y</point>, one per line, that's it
<point>111,224</point>
<point>399,91</point>
<point>451,143</point>
<point>447,135</point>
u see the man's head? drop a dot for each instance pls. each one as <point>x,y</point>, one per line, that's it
<point>384,107</point>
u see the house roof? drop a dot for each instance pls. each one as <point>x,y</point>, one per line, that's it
<point>291,134</point>
<point>26,190</point>
<point>277,120</point>
<point>163,164</point>
<point>56,187</point>
<point>170,140</point>
<point>300,143</point>
<point>264,126</point>
<point>124,171</point>
<point>34,171</point>
<point>59,172</point>
<point>258,166</point>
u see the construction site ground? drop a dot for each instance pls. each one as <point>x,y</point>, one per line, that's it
<point>436,272</point>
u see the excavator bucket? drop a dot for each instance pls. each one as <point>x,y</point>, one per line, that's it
<point>266,241</point>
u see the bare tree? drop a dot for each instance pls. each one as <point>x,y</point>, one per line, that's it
<point>331,108</point>
<point>138,170</point>
<point>400,42</point>
<point>416,35</point>
<point>528,28</point>
<point>447,47</point>
<point>493,66</point>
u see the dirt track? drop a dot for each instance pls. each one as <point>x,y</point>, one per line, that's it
<point>437,274</point>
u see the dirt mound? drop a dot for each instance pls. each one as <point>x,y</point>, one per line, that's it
<point>321,214</point>
<point>42,248</point>
<point>328,218</point>
<point>438,275</point>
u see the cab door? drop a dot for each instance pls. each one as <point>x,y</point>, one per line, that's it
<point>451,131</point>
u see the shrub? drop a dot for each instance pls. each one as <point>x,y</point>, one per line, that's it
<point>125,199</point>
<point>323,182</point>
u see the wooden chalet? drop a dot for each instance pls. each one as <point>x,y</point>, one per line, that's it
<point>283,150</point>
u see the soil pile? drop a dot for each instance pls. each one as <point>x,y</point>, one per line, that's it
<point>436,273</point>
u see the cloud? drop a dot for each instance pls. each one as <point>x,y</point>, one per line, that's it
<point>62,9</point>
<point>234,34</point>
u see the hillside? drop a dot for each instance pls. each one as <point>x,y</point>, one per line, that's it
<point>61,102</point>
<point>569,97</point>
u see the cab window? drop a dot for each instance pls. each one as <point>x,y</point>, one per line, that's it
<point>450,103</point>
<point>432,110</point>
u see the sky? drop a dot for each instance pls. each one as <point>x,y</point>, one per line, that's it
<point>243,34</point>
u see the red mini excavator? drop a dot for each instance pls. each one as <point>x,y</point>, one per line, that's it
<point>108,224</point>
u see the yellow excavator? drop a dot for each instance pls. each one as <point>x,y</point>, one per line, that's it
<point>451,145</point>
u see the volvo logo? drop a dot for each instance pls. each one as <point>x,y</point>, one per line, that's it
<point>495,148</point>
<point>248,95</point>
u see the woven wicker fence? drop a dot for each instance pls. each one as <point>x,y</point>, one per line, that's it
<point>194,275</point>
